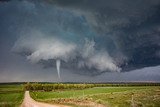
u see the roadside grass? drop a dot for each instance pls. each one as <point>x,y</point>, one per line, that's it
<point>11,95</point>
<point>40,95</point>
<point>149,97</point>
<point>143,96</point>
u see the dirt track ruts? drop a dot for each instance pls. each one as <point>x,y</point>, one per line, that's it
<point>29,102</point>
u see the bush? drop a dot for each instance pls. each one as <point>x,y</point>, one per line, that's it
<point>47,87</point>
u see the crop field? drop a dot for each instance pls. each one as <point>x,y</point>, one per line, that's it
<point>11,95</point>
<point>137,96</point>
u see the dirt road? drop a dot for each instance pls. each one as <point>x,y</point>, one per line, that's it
<point>29,102</point>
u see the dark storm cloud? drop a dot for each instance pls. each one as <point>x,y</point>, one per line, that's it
<point>61,37</point>
<point>131,27</point>
<point>89,37</point>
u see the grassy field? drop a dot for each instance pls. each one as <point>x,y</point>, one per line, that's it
<point>11,95</point>
<point>142,96</point>
<point>126,96</point>
<point>149,97</point>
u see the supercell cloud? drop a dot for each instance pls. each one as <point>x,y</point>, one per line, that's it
<point>75,55</point>
<point>84,37</point>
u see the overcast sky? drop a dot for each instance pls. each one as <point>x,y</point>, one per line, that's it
<point>79,40</point>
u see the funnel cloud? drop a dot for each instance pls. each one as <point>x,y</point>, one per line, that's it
<point>58,64</point>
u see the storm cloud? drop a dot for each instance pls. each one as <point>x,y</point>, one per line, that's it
<point>88,37</point>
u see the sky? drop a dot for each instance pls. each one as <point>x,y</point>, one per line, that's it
<point>80,40</point>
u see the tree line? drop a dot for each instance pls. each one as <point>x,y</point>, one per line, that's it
<point>58,86</point>
<point>61,86</point>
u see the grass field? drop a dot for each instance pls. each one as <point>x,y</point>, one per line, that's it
<point>11,95</point>
<point>126,96</point>
<point>142,96</point>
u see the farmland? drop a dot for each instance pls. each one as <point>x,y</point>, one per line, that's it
<point>11,95</point>
<point>83,95</point>
<point>110,96</point>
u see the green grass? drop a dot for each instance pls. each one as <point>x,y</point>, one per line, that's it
<point>140,96</point>
<point>11,95</point>
<point>148,96</point>
<point>79,93</point>
<point>7,88</point>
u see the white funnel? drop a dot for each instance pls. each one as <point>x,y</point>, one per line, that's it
<point>58,64</point>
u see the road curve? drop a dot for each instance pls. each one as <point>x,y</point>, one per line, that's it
<point>29,102</point>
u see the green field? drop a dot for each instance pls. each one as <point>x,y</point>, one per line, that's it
<point>11,95</point>
<point>107,95</point>
<point>142,96</point>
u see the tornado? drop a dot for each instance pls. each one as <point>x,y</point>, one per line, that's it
<point>58,64</point>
